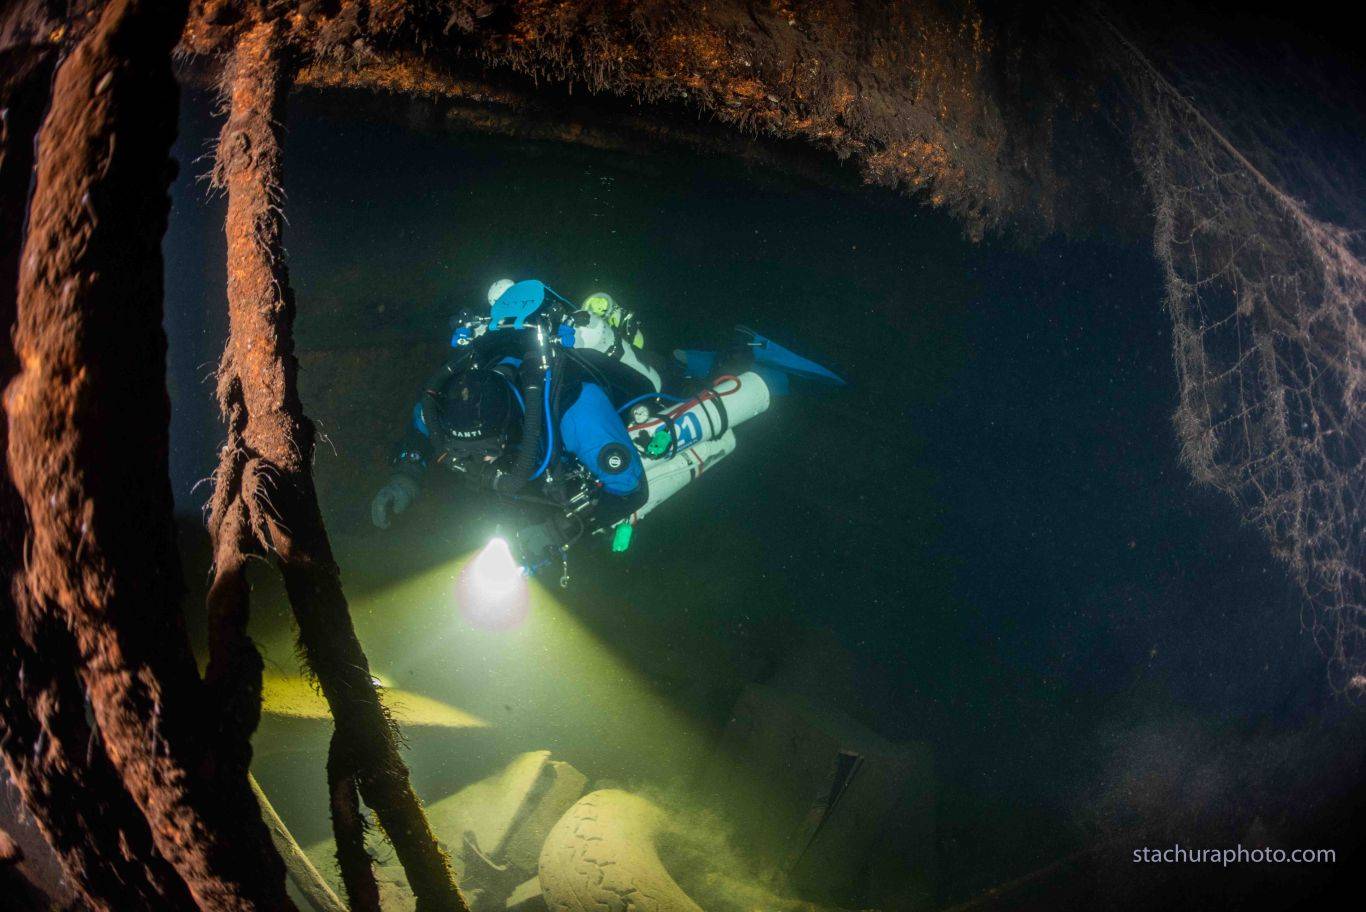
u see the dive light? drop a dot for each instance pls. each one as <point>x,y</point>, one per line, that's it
<point>491,589</point>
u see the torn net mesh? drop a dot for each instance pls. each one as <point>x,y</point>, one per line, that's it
<point>1267,309</point>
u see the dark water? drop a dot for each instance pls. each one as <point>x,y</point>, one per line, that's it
<point>985,544</point>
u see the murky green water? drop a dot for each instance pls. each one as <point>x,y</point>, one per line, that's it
<point>982,550</point>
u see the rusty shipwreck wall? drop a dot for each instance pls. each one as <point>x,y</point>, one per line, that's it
<point>927,98</point>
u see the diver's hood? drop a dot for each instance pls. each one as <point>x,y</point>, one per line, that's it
<point>477,413</point>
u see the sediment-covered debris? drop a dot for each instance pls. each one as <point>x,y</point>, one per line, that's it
<point>493,829</point>
<point>604,855</point>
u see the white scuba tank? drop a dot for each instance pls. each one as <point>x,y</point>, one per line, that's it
<point>598,335</point>
<point>666,477</point>
<point>703,434</point>
<point>731,401</point>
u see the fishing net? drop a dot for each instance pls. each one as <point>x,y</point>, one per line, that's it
<point>1267,310</point>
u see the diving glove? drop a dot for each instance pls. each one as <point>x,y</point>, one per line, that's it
<point>392,500</point>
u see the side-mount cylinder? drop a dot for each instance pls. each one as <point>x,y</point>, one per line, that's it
<point>703,434</point>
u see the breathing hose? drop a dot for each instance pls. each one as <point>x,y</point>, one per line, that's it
<point>549,426</point>
<point>534,424</point>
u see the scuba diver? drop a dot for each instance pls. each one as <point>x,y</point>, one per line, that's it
<point>561,409</point>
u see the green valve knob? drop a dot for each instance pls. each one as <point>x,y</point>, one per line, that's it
<point>659,443</point>
<point>621,538</point>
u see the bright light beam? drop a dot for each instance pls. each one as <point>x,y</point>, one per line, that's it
<point>491,590</point>
<point>293,696</point>
<point>551,682</point>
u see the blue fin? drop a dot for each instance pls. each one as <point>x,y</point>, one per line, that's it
<point>770,354</point>
<point>771,361</point>
<point>696,363</point>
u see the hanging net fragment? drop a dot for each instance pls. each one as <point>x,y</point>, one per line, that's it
<point>1268,310</point>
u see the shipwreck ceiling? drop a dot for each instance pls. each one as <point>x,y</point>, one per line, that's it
<point>925,98</point>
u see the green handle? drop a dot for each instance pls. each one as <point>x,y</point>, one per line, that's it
<point>659,443</point>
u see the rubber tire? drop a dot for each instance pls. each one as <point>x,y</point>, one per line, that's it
<point>602,857</point>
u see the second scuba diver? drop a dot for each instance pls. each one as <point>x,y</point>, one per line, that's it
<point>561,408</point>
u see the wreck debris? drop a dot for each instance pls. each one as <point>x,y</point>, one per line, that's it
<point>87,453</point>
<point>527,897</point>
<point>604,848</point>
<point>509,813</point>
<point>301,871</point>
<point>264,500</point>
<point>500,824</point>
<point>488,883</point>
<point>829,801</point>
